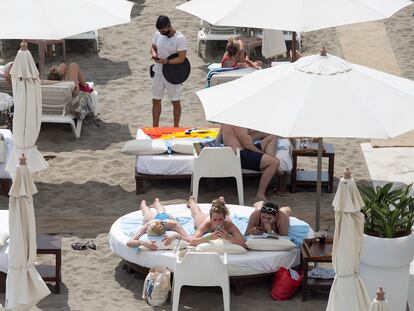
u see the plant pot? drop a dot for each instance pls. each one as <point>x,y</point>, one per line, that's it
<point>386,262</point>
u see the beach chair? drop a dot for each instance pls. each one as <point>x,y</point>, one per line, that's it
<point>201,269</point>
<point>210,32</point>
<point>219,162</point>
<point>54,99</point>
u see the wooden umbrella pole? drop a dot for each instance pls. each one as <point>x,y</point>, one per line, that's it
<point>319,184</point>
<point>293,47</point>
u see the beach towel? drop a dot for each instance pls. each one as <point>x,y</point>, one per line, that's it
<point>214,71</point>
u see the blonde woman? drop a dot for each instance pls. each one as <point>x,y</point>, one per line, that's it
<point>235,56</point>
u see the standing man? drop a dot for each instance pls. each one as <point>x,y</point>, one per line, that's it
<point>259,157</point>
<point>167,41</point>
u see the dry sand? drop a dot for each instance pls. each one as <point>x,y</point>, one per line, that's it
<point>90,183</point>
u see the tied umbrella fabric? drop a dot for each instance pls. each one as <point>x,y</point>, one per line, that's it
<point>348,291</point>
<point>24,285</point>
<point>27,113</point>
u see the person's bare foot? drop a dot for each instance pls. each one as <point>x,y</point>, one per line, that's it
<point>156,203</point>
<point>258,205</point>
<point>143,203</point>
<point>221,199</point>
<point>260,197</point>
<point>191,201</point>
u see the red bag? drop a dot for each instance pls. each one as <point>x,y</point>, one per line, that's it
<point>283,286</point>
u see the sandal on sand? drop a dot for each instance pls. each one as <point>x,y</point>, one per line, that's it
<point>91,244</point>
<point>79,246</point>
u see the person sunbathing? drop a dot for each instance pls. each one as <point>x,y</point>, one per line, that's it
<point>269,218</point>
<point>70,73</point>
<point>157,225</point>
<point>5,72</point>
<point>235,56</point>
<point>217,225</point>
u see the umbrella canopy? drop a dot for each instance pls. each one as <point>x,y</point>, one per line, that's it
<point>348,291</point>
<point>295,15</point>
<point>52,19</point>
<point>27,112</point>
<point>314,97</point>
<point>311,97</point>
<point>24,286</point>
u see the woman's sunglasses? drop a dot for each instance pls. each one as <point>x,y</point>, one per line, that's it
<point>268,210</point>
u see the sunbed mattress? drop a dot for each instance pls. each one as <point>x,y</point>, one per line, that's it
<point>4,251</point>
<point>182,164</point>
<point>250,263</point>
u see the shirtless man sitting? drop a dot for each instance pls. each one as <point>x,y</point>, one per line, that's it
<point>256,157</point>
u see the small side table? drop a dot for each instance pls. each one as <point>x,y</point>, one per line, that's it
<point>311,252</point>
<point>308,178</point>
<point>50,245</point>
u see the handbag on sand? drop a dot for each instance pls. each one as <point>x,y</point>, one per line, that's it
<point>285,283</point>
<point>157,286</point>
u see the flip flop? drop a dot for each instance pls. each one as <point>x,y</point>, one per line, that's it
<point>91,244</point>
<point>79,246</point>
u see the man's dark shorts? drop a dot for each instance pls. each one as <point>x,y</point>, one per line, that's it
<point>250,160</point>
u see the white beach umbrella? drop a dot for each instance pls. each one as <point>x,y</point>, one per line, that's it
<point>27,112</point>
<point>58,19</point>
<point>348,291</point>
<point>315,97</point>
<point>293,15</point>
<point>24,285</point>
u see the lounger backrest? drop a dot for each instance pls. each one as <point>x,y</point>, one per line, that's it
<point>220,30</point>
<point>56,96</point>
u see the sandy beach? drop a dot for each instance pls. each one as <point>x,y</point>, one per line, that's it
<point>90,183</point>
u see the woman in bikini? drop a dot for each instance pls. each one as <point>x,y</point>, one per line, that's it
<point>70,73</point>
<point>214,226</point>
<point>157,224</point>
<point>235,56</point>
<point>269,218</point>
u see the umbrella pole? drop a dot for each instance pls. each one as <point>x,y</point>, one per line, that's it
<point>293,47</point>
<point>319,184</point>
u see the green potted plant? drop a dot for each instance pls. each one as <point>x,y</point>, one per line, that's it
<point>388,243</point>
<point>389,213</point>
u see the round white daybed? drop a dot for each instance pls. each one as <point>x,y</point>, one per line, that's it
<point>243,268</point>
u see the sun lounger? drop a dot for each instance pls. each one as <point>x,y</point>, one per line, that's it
<point>180,166</point>
<point>89,35</point>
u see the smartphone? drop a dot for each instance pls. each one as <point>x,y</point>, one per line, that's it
<point>218,227</point>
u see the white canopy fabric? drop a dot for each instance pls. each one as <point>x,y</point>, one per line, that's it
<point>24,286</point>
<point>27,113</point>
<point>379,305</point>
<point>52,19</point>
<point>294,15</point>
<point>315,97</point>
<point>273,43</point>
<point>348,291</point>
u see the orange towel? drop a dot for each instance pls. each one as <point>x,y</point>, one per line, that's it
<point>157,132</point>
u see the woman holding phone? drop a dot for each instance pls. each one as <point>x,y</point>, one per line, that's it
<point>215,226</point>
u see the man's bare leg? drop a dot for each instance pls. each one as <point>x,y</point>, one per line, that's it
<point>146,211</point>
<point>196,212</point>
<point>156,112</point>
<point>176,112</point>
<point>269,166</point>
<point>269,144</point>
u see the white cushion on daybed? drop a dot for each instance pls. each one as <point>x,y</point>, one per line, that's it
<point>4,251</point>
<point>250,263</point>
<point>280,244</point>
<point>220,246</point>
<point>144,146</point>
<point>183,146</point>
<point>182,164</point>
